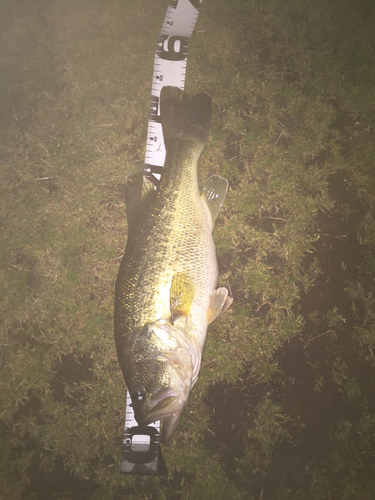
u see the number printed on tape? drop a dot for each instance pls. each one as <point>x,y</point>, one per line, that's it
<point>169,69</point>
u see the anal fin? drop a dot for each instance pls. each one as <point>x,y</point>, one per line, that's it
<point>214,193</point>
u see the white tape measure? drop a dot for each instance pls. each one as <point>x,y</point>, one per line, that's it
<point>141,452</point>
<point>169,69</point>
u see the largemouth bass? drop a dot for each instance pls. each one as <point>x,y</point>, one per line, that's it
<point>166,294</point>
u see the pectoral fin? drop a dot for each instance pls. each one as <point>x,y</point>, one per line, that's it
<point>214,193</point>
<point>219,303</point>
<point>181,296</point>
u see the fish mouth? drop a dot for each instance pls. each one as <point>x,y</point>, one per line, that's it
<point>178,364</point>
<point>169,410</point>
<point>163,405</point>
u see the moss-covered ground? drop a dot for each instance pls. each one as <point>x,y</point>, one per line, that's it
<point>284,407</point>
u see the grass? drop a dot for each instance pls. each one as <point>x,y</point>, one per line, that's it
<point>283,408</point>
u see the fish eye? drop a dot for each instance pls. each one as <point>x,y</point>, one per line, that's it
<point>139,396</point>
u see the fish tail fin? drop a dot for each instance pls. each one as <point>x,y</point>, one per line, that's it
<point>182,116</point>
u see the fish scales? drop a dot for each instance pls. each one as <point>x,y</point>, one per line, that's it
<point>165,291</point>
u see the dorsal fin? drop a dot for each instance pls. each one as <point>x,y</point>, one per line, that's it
<point>138,192</point>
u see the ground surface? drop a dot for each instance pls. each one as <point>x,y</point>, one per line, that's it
<point>284,407</point>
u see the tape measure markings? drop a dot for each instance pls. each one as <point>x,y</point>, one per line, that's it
<point>169,69</point>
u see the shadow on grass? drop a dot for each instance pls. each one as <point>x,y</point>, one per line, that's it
<point>307,392</point>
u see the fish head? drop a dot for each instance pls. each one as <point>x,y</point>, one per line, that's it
<point>162,370</point>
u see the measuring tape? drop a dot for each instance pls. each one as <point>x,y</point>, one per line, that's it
<point>141,452</point>
<point>169,69</point>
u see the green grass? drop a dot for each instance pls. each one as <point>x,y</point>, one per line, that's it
<point>292,84</point>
